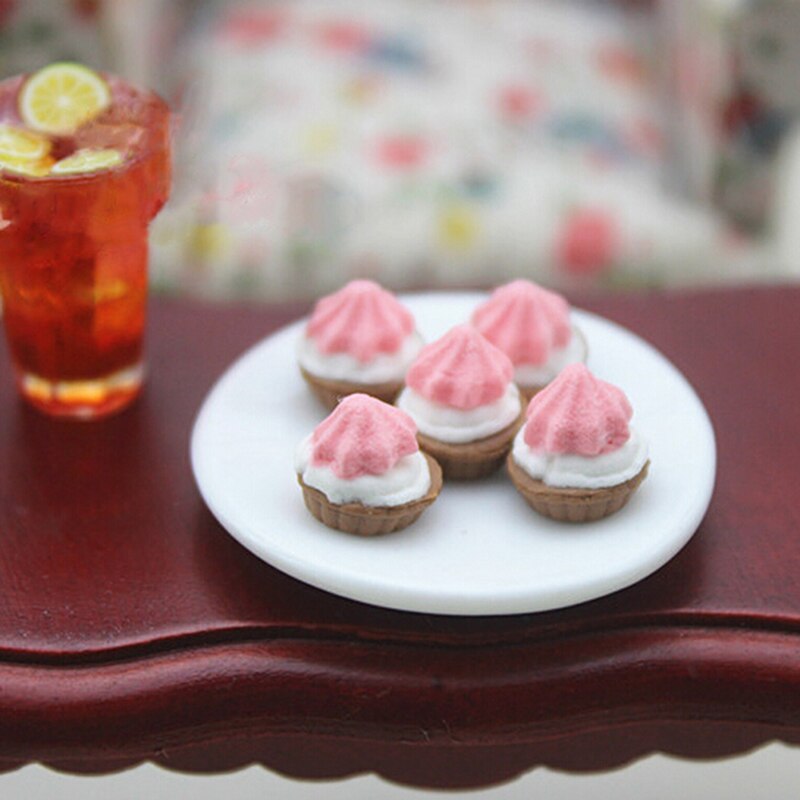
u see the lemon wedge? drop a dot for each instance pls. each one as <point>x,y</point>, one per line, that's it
<point>88,160</point>
<point>38,168</point>
<point>59,98</point>
<point>21,145</point>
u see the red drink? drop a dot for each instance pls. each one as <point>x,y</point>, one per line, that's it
<point>73,256</point>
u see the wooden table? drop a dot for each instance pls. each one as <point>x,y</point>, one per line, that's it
<point>133,627</point>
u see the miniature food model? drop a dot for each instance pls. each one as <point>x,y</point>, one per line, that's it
<point>362,471</point>
<point>359,339</point>
<point>85,164</point>
<point>576,458</point>
<point>461,395</point>
<point>532,326</point>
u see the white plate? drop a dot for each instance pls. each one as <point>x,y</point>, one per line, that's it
<point>478,549</point>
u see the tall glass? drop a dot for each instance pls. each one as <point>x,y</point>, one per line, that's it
<point>73,258</point>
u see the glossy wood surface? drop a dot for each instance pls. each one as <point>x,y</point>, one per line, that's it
<point>133,627</point>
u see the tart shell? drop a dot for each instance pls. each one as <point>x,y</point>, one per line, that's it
<point>364,520</point>
<point>572,505</point>
<point>471,460</point>
<point>330,392</point>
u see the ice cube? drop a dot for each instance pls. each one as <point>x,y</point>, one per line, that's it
<point>101,134</point>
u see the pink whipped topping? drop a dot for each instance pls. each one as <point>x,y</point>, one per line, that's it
<point>578,414</point>
<point>363,436</point>
<point>525,321</point>
<point>461,370</point>
<point>361,319</point>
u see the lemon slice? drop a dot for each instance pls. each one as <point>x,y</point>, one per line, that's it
<point>38,168</point>
<point>88,160</point>
<point>22,145</point>
<point>60,98</point>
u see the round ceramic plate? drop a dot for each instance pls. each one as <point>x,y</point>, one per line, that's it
<point>479,549</point>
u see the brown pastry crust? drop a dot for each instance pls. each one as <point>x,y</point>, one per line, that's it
<point>330,392</point>
<point>528,392</point>
<point>370,520</point>
<point>572,505</point>
<point>470,460</point>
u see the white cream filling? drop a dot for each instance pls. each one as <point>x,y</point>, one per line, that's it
<point>385,367</point>
<point>406,481</point>
<point>453,425</point>
<point>582,472</point>
<point>540,374</point>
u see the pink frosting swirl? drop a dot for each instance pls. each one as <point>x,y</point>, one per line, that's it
<point>525,321</point>
<point>461,370</point>
<point>361,319</point>
<point>363,436</point>
<point>578,414</point>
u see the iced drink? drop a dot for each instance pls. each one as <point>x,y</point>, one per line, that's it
<point>77,193</point>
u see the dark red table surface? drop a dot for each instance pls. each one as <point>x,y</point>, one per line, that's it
<point>133,627</point>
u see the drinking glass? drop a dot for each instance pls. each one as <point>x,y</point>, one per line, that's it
<point>74,253</point>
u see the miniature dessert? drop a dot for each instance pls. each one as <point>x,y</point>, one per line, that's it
<point>359,339</point>
<point>531,325</point>
<point>576,458</point>
<point>460,393</point>
<point>362,471</point>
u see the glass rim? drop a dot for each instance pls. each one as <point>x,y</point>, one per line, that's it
<point>9,177</point>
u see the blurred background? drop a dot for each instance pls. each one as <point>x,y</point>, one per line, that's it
<point>584,144</point>
<point>609,144</point>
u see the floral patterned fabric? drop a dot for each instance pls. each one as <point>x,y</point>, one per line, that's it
<point>760,107</point>
<point>36,32</point>
<point>448,142</point>
<point>421,142</point>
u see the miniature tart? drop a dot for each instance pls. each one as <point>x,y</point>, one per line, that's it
<point>532,326</point>
<point>467,409</point>
<point>576,458</point>
<point>361,470</point>
<point>359,339</point>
